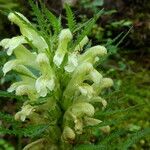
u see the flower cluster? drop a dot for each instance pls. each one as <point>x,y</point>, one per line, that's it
<point>66,79</point>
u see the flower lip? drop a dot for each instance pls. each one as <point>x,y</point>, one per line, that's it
<point>12,44</point>
<point>9,66</point>
<point>72,63</point>
<point>26,111</point>
<point>43,84</point>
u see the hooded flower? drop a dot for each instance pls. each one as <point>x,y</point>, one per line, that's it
<point>28,31</point>
<point>92,53</point>
<point>25,87</point>
<point>47,79</point>
<point>81,109</point>
<point>95,76</point>
<point>104,83</point>
<point>86,90</point>
<point>13,43</point>
<point>73,58</point>
<point>23,57</point>
<point>64,38</point>
<point>99,99</point>
<point>81,113</point>
<point>77,80</point>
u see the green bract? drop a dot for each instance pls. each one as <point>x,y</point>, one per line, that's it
<point>61,85</point>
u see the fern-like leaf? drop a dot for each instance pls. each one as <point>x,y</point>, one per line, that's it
<point>70,18</point>
<point>30,131</point>
<point>39,16</point>
<point>86,28</point>
<point>52,19</point>
<point>134,138</point>
<point>8,118</point>
<point>10,95</point>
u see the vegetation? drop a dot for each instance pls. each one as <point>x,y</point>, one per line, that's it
<point>57,99</point>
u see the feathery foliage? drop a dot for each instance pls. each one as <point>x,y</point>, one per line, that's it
<point>70,18</point>
<point>62,109</point>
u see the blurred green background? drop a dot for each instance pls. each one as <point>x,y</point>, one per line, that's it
<point>128,62</point>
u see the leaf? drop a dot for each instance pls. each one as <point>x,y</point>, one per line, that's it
<point>8,118</point>
<point>111,145</point>
<point>112,112</point>
<point>30,131</point>
<point>86,28</point>
<point>70,17</point>
<point>34,130</point>
<point>133,138</point>
<point>3,130</point>
<point>45,30</point>
<point>111,137</point>
<point>121,40</point>
<point>91,147</point>
<point>39,16</point>
<point>53,20</point>
<point>10,95</point>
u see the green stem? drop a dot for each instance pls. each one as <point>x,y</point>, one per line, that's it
<point>19,146</point>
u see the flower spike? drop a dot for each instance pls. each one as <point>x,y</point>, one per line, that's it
<point>61,84</point>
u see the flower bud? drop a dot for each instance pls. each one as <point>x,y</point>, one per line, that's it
<point>106,83</point>
<point>78,126</point>
<point>82,108</point>
<point>68,134</point>
<point>105,129</point>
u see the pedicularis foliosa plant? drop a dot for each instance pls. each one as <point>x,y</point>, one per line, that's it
<point>56,73</point>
